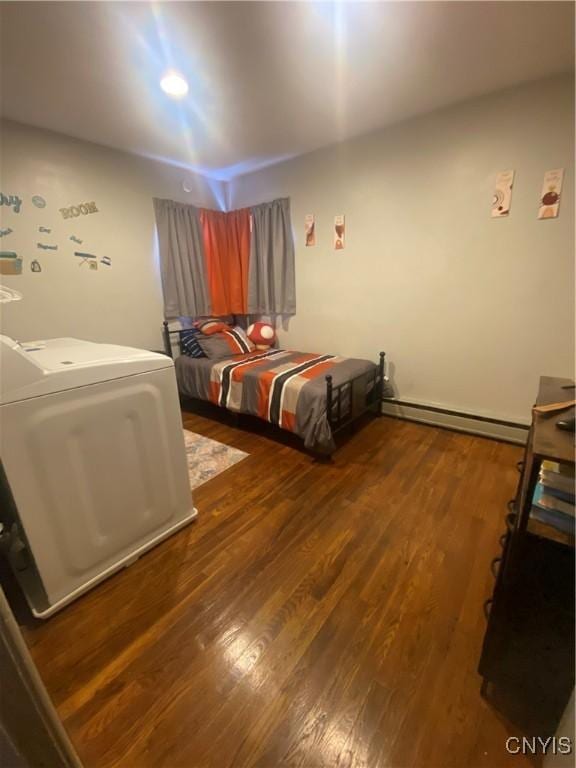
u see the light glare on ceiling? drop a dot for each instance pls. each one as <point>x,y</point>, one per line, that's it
<point>174,84</point>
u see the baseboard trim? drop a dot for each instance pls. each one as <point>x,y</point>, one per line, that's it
<point>509,431</point>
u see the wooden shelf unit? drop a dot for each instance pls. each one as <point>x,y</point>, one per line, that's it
<point>528,649</point>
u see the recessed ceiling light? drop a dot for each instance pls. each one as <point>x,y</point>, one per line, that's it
<point>174,84</point>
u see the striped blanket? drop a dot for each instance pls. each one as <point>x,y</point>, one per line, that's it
<point>286,388</point>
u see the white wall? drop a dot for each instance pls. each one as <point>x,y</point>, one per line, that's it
<point>470,310</point>
<point>121,303</point>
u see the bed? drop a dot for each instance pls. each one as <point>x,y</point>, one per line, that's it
<point>312,395</point>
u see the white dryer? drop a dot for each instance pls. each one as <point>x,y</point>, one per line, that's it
<point>94,463</point>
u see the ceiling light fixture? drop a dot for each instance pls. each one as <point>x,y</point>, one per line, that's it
<point>174,84</point>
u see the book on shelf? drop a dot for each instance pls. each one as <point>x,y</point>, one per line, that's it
<point>548,501</point>
<point>557,486</point>
<point>552,510</point>
<point>555,481</point>
<point>566,470</point>
<point>557,520</point>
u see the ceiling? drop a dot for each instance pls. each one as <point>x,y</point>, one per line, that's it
<point>267,80</point>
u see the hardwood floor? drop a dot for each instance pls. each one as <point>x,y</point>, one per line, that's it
<point>314,615</point>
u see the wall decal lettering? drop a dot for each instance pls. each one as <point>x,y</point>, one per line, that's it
<point>12,201</point>
<point>47,247</point>
<point>83,209</point>
<point>106,260</point>
<point>10,264</point>
<point>46,230</point>
<point>4,232</point>
<point>38,201</point>
<point>35,266</point>
<point>75,239</point>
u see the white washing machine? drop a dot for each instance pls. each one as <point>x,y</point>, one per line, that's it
<point>94,463</point>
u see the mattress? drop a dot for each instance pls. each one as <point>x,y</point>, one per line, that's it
<point>283,387</point>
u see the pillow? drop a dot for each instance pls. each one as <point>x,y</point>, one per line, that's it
<point>210,325</point>
<point>243,339</point>
<point>189,343</point>
<point>232,341</point>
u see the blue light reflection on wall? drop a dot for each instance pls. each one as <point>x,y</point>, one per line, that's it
<point>156,45</point>
<point>152,52</point>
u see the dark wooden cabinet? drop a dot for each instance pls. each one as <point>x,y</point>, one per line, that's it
<point>527,660</point>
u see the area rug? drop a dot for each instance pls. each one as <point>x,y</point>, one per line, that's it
<point>208,458</point>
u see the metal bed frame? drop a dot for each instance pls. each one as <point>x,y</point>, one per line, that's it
<point>345,403</point>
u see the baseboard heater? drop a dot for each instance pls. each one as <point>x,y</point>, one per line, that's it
<point>510,431</point>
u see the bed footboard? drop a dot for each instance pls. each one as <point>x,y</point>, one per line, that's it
<point>346,402</point>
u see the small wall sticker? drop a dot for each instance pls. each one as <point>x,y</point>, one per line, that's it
<point>47,247</point>
<point>83,209</point>
<point>75,239</point>
<point>550,195</point>
<point>339,232</point>
<point>93,264</point>
<point>86,258</point>
<point>12,201</point>
<point>38,201</point>
<point>35,266</point>
<point>310,230</point>
<point>502,198</point>
<point>4,232</point>
<point>10,263</point>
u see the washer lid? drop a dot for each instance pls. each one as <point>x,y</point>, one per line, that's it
<point>35,368</point>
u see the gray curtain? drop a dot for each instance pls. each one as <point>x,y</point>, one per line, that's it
<point>182,264</point>
<point>271,279</point>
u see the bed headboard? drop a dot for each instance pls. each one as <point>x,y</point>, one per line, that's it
<point>168,334</point>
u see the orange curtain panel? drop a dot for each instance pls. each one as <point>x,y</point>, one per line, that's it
<point>239,244</point>
<point>215,239</point>
<point>226,239</point>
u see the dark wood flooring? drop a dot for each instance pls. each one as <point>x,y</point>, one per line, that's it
<point>314,615</point>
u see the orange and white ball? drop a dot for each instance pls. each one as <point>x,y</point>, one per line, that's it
<point>261,334</point>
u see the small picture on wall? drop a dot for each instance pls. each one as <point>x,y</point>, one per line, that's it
<point>10,264</point>
<point>310,229</point>
<point>550,196</point>
<point>502,198</point>
<point>339,232</point>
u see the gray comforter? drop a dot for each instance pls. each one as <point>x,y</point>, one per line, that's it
<point>286,388</point>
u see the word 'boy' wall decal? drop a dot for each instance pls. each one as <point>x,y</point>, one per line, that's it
<point>13,201</point>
